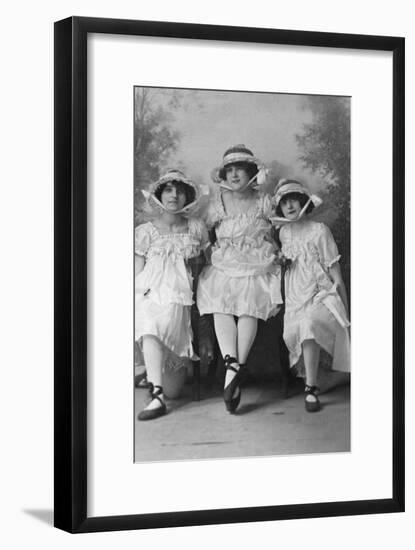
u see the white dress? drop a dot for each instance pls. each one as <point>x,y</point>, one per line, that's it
<point>313,307</point>
<point>164,288</point>
<point>243,278</point>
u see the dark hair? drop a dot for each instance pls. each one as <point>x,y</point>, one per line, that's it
<point>300,197</point>
<point>188,190</point>
<point>250,168</point>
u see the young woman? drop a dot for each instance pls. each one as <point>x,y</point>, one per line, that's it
<point>163,283</point>
<point>316,310</point>
<point>242,283</point>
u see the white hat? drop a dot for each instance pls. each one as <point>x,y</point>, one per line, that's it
<point>153,204</point>
<point>240,153</point>
<point>288,187</point>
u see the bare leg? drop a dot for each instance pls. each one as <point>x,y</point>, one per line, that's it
<point>227,334</point>
<point>153,357</point>
<point>311,353</point>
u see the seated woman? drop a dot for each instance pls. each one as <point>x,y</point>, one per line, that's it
<point>316,309</point>
<point>242,283</point>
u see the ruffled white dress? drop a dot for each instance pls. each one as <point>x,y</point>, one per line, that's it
<point>243,278</point>
<point>313,307</point>
<point>164,288</point>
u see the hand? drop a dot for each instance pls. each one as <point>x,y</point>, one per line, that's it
<point>206,351</point>
<point>282,260</point>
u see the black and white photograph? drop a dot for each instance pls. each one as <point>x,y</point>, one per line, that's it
<point>242,274</point>
<point>229,255</point>
<point>205,227</point>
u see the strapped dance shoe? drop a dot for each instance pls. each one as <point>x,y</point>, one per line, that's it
<point>140,381</point>
<point>232,402</point>
<point>311,406</point>
<point>150,414</point>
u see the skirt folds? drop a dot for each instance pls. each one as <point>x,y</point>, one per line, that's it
<point>168,323</point>
<point>317,323</point>
<point>254,295</point>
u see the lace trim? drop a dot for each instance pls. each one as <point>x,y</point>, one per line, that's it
<point>175,245</point>
<point>194,229</point>
<point>294,250</point>
<point>330,263</point>
<point>245,243</point>
<point>175,252</point>
<point>159,233</point>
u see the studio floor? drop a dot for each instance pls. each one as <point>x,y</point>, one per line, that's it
<point>265,424</point>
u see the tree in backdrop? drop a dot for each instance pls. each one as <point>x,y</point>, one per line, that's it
<point>154,138</point>
<point>276,171</point>
<point>325,150</point>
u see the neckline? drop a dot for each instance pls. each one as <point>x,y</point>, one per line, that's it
<point>225,213</point>
<point>171,233</point>
<point>295,229</point>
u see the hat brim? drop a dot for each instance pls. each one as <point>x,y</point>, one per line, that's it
<point>315,200</point>
<point>170,178</point>
<point>288,188</point>
<point>280,196</point>
<point>221,171</point>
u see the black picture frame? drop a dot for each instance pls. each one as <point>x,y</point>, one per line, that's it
<point>70,173</point>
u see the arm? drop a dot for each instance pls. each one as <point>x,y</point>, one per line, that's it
<point>208,249</point>
<point>208,254</point>
<point>329,258</point>
<point>139,263</point>
<point>142,242</point>
<point>206,338</point>
<point>336,275</point>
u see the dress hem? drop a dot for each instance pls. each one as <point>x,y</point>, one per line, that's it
<point>173,360</point>
<point>238,313</point>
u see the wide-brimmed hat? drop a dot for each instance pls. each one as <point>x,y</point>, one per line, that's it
<point>196,192</point>
<point>289,186</point>
<point>237,153</point>
<point>174,175</point>
<point>240,153</point>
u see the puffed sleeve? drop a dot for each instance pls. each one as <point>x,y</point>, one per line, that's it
<point>327,248</point>
<point>142,239</point>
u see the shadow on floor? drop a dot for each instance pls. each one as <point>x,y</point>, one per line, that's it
<point>265,424</point>
<point>45,516</point>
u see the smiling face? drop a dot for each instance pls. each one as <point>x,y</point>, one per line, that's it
<point>291,206</point>
<point>237,176</point>
<point>173,196</point>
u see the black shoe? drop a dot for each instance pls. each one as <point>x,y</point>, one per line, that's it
<point>311,406</point>
<point>140,381</point>
<point>232,402</point>
<point>150,414</point>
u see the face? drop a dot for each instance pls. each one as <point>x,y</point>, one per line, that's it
<point>173,196</point>
<point>237,176</point>
<point>291,207</point>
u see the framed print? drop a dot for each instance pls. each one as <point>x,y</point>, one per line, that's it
<point>229,274</point>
